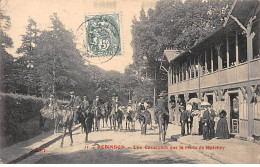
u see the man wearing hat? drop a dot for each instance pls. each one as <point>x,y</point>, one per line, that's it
<point>50,101</point>
<point>75,103</point>
<point>206,120</point>
<point>96,109</point>
<point>183,119</point>
<point>161,106</point>
<point>96,104</point>
<point>85,104</point>
<point>129,107</point>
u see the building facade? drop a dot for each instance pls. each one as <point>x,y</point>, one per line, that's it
<point>224,66</point>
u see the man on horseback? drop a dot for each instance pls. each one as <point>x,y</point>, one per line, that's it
<point>85,104</point>
<point>161,107</point>
<point>161,115</point>
<point>144,115</point>
<point>96,110</point>
<point>75,103</point>
<point>48,111</point>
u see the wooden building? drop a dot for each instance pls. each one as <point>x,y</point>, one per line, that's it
<point>224,66</point>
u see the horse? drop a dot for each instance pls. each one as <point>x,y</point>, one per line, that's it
<point>50,112</point>
<point>144,118</point>
<point>163,120</point>
<point>86,120</point>
<point>97,116</point>
<point>67,121</point>
<point>106,111</point>
<point>130,120</point>
<point>88,123</point>
<point>119,116</point>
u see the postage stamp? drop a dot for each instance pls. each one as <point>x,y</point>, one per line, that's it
<point>103,35</point>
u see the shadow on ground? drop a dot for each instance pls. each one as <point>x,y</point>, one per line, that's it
<point>123,156</point>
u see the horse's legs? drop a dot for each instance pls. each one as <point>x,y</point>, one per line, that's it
<point>114,123</point>
<point>110,122</point>
<point>82,127</point>
<point>165,129</point>
<point>126,124</point>
<point>160,128</point>
<point>63,135</point>
<point>103,121</point>
<point>70,132</point>
<point>86,139</point>
<point>98,124</point>
<point>94,124</point>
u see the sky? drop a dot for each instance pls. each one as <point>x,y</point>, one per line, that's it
<point>71,13</point>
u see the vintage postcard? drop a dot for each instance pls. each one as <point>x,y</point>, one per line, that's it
<point>129,82</point>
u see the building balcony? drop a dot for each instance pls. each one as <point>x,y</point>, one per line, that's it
<point>226,76</point>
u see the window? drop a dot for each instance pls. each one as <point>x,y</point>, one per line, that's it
<point>215,59</point>
<point>173,76</point>
<point>196,59</point>
<point>209,60</point>
<point>202,62</point>
<point>255,29</point>
<point>192,67</point>
<point>257,104</point>
<point>223,52</point>
<point>242,47</point>
<point>184,71</point>
<point>181,72</point>
<point>232,49</point>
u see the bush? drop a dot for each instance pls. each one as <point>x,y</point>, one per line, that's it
<point>20,114</point>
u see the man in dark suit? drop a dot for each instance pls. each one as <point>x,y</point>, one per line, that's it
<point>96,106</point>
<point>212,123</point>
<point>183,119</point>
<point>206,120</point>
<point>75,103</point>
<point>85,104</point>
<point>161,104</point>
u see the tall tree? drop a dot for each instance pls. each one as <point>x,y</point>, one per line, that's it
<point>173,24</point>
<point>57,63</point>
<point>6,60</point>
<point>27,49</point>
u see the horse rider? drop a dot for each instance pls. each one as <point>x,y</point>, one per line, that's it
<point>50,102</point>
<point>51,106</point>
<point>96,109</point>
<point>85,104</point>
<point>75,103</point>
<point>129,107</point>
<point>160,107</point>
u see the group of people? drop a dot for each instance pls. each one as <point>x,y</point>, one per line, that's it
<point>196,121</point>
<point>202,121</point>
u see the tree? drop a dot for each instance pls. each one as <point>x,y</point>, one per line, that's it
<point>6,60</point>
<point>27,49</point>
<point>173,24</point>
<point>57,63</point>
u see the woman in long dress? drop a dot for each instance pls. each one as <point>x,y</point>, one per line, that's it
<point>222,126</point>
<point>196,119</point>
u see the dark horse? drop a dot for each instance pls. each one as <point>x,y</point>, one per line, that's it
<point>97,116</point>
<point>163,120</point>
<point>86,120</point>
<point>144,118</point>
<point>119,116</point>
<point>106,114</point>
<point>130,120</point>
